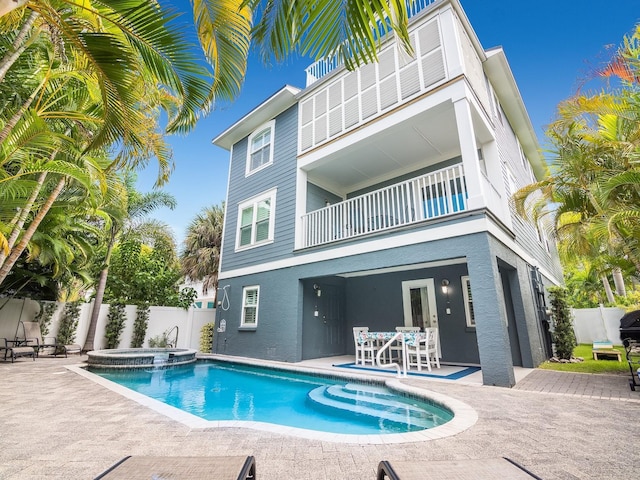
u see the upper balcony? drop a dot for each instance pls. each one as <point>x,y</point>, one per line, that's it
<point>325,66</point>
<point>425,197</point>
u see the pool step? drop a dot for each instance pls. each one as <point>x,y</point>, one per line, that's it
<point>376,409</point>
<point>384,400</point>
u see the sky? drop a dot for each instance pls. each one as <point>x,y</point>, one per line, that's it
<point>552,46</point>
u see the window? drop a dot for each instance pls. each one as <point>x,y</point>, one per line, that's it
<point>260,149</point>
<point>256,220</point>
<point>250,306</point>
<point>468,302</point>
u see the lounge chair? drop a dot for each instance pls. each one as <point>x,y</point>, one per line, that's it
<point>184,468</point>
<point>33,338</point>
<point>14,350</point>
<point>485,469</point>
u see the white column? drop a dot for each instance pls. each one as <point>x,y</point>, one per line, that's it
<point>469,152</point>
<point>450,41</point>
<point>301,205</point>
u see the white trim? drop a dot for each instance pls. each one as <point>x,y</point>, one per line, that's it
<point>271,126</point>
<point>244,305</point>
<point>466,285</point>
<point>253,202</point>
<point>468,227</point>
<point>226,205</point>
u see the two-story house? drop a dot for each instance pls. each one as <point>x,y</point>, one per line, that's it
<point>382,197</point>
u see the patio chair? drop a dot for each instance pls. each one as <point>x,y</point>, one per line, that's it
<point>396,349</point>
<point>364,352</point>
<point>484,469</point>
<point>184,468</point>
<point>13,350</point>
<point>33,338</point>
<point>425,351</point>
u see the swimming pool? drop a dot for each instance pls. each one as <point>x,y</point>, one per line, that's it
<point>221,391</point>
<point>464,416</point>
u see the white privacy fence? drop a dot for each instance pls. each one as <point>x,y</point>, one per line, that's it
<point>161,319</point>
<point>597,324</point>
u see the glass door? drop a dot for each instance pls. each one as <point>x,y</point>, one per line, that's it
<point>419,304</point>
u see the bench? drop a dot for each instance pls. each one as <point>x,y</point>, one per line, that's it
<point>608,353</point>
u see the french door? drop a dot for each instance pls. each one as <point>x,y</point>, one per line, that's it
<point>419,304</point>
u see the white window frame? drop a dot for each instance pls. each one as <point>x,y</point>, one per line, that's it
<point>253,202</point>
<point>243,322</point>
<point>468,302</point>
<point>267,126</point>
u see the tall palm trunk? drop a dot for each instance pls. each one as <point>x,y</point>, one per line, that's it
<point>33,226</point>
<point>97,303</point>
<point>607,289</point>
<point>19,44</point>
<point>618,281</point>
<point>22,215</point>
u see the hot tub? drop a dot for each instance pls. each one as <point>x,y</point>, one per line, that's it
<point>141,357</point>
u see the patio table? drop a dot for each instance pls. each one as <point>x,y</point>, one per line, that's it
<point>405,338</point>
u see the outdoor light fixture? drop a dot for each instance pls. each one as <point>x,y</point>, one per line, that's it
<point>445,286</point>
<point>316,287</point>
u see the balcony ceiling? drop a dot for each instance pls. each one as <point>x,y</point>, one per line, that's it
<point>425,139</point>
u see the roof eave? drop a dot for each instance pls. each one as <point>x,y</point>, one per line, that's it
<point>273,106</point>
<point>497,69</point>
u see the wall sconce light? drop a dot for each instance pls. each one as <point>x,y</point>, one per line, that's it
<point>316,287</point>
<point>445,286</point>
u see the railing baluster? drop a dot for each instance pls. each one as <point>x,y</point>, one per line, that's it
<point>426,197</point>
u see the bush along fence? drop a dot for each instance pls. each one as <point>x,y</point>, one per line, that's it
<point>69,322</point>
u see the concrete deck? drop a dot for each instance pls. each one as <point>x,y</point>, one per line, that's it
<point>57,424</point>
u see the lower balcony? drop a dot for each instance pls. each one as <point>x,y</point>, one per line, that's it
<point>433,195</point>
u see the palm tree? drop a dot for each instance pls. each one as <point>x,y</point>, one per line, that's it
<point>593,194</point>
<point>200,258</point>
<point>126,213</point>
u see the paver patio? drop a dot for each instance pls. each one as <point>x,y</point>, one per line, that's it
<point>56,424</point>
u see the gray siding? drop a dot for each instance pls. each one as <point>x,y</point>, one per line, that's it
<point>281,175</point>
<point>286,304</point>
<point>524,230</point>
<point>317,197</point>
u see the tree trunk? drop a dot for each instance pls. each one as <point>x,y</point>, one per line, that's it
<point>33,226</point>
<point>607,289</point>
<point>19,43</point>
<point>618,281</point>
<point>22,216</point>
<point>97,303</point>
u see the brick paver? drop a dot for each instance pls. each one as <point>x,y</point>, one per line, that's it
<point>56,424</point>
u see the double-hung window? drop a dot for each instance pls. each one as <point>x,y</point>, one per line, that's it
<point>250,297</point>
<point>256,220</point>
<point>260,149</point>
<point>468,302</point>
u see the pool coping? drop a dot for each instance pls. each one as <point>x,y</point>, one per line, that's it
<point>464,416</point>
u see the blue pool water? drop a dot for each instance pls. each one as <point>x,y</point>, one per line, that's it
<point>222,391</point>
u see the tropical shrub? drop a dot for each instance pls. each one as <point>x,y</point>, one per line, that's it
<point>140,326</point>
<point>115,324</point>
<point>68,324</point>
<point>43,317</point>
<point>563,334</point>
<point>206,337</point>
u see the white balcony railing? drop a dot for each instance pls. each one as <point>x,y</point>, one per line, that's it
<point>429,196</point>
<point>324,66</point>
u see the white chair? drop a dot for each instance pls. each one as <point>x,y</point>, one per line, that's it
<point>365,352</point>
<point>396,349</point>
<point>424,351</point>
<point>433,349</point>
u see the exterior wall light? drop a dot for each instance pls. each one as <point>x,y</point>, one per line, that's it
<point>445,286</point>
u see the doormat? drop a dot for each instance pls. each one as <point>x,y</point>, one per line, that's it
<point>446,372</point>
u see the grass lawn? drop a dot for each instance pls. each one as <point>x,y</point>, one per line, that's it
<point>590,365</point>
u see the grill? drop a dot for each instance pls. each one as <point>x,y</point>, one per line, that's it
<point>630,327</point>
<point>630,336</point>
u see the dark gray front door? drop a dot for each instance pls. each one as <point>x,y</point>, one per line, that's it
<point>331,318</point>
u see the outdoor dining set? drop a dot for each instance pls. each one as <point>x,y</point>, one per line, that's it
<point>402,349</point>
